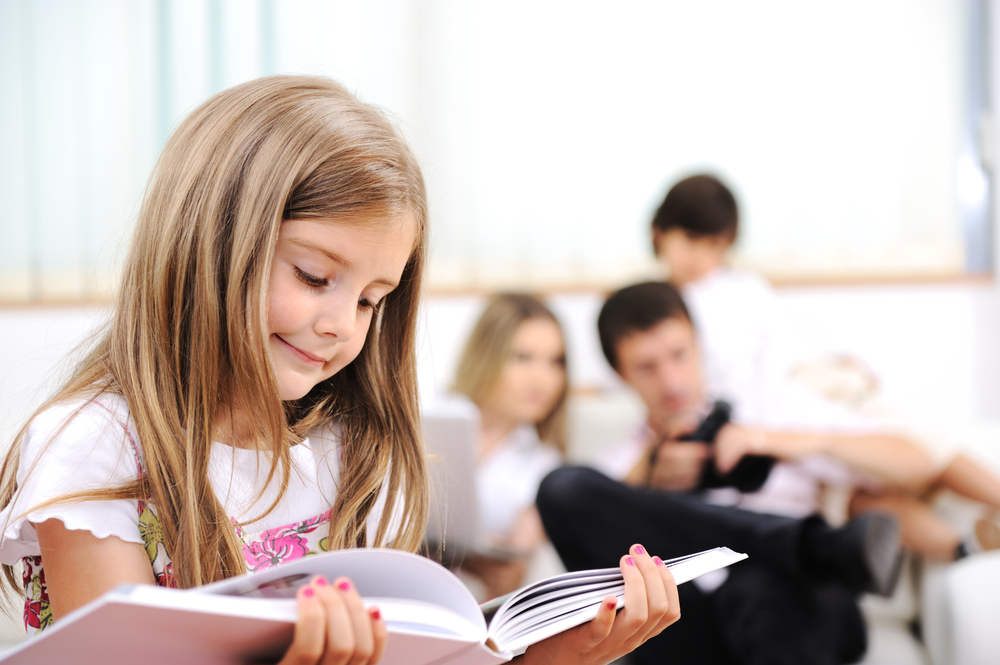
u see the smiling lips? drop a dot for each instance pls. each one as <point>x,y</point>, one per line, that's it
<point>304,356</point>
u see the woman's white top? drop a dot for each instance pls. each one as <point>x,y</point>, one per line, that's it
<point>83,445</point>
<point>507,480</point>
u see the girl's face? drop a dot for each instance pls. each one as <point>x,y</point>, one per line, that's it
<point>327,279</point>
<point>534,375</point>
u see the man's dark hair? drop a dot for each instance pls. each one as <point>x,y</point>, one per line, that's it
<point>700,206</point>
<point>637,308</point>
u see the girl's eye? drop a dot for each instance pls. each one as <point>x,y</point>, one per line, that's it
<point>310,280</point>
<point>365,305</point>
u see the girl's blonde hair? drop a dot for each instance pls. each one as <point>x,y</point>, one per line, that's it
<point>189,338</point>
<point>488,350</point>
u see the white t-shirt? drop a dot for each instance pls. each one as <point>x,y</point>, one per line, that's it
<point>793,488</point>
<point>507,480</point>
<point>84,445</point>
<point>747,340</point>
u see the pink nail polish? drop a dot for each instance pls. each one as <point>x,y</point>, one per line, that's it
<point>612,605</point>
<point>658,561</point>
<point>639,550</point>
<point>321,581</point>
<point>630,561</point>
<point>308,593</point>
<point>376,615</point>
<point>344,586</point>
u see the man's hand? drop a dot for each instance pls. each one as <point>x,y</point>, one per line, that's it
<point>677,465</point>
<point>733,442</point>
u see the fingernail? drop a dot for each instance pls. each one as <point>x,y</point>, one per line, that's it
<point>344,586</point>
<point>612,605</point>
<point>307,592</point>
<point>321,581</point>
<point>630,561</point>
<point>639,550</point>
<point>658,561</point>
<point>376,615</point>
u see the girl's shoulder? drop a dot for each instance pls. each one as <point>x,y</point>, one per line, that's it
<point>82,427</point>
<point>98,409</point>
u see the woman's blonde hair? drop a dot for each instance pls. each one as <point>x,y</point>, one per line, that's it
<point>488,350</point>
<point>189,337</point>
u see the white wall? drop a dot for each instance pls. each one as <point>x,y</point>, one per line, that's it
<point>35,345</point>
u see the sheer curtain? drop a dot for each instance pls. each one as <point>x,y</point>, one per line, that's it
<point>548,130</point>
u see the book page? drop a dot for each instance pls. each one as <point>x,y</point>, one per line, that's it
<point>559,603</point>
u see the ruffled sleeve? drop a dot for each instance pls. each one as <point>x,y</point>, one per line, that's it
<point>73,447</point>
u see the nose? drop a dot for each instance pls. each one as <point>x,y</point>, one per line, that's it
<point>670,378</point>
<point>338,316</point>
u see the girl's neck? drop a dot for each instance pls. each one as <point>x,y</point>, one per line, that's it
<point>495,428</point>
<point>232,429</point>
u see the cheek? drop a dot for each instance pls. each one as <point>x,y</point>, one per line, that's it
<point>284,305</point>
<point>557,381</point>
<point>509,388</point>
<point>350,351</point>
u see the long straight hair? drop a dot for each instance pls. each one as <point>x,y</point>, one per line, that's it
<point>488,350</point>
<point>188,337</point>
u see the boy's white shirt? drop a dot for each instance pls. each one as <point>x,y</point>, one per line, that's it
<point>746,338</point>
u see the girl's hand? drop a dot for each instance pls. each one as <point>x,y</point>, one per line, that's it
<point>334,628</point>
<point>651,605</point>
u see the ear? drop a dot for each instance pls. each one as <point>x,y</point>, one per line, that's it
<point>657,238</point>
<point>618,373</point>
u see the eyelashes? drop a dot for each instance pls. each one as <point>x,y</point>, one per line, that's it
<point>310,280</point>
<point>316,283</point>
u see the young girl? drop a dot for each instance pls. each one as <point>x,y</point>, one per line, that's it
<point>514,369</point>
<point>253,398</point>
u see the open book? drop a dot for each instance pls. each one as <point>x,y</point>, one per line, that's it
<point>430,615</point>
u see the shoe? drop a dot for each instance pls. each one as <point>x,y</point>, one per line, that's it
<point>865,555</point>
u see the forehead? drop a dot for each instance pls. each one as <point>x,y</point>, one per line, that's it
<point>537,331</point>
<point>666,336</point>
<point>373,228</point>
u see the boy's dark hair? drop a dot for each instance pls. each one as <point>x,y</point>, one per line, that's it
<point>700,206</point>
<point>637,308</point>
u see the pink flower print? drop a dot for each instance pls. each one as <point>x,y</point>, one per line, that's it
<point>307,526</point>
<point>166,578</point>
<point>37,613</point>
<point>272,549</point>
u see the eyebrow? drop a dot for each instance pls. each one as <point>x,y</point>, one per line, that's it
<point>338,259</point>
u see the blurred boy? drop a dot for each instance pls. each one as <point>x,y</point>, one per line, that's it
<point>746,338</point>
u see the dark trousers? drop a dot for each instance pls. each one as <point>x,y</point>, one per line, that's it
<point>769,611</point>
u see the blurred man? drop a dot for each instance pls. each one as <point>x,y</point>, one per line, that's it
<point>794,601</point>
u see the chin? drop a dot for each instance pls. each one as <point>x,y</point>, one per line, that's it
<point>290,391</point>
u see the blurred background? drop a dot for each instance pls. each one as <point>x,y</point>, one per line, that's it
<point>856,135</point>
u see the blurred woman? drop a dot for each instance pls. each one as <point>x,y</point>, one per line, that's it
<point>514,369</point>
